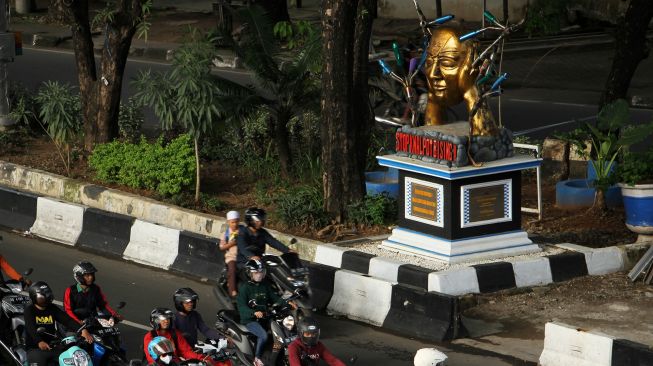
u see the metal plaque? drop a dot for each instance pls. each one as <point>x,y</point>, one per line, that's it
<point>423,202</point>
<point>486,203</point>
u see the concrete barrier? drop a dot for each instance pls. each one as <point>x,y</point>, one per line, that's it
<point>412,275</point>
<point>532,272</point>
<point>566,266</point>
<point>152,245</point>
<point>603,261</point>
<point>199,255</point>
<point>105,232</point>
<point>58,221</point>
<point>426,315</point>
<point>454,282</point>
<point>627,353</point>
<point>385,268</point>
<point>17,209</point>
<point>321,279</point>
<point>567,346</point>
<point>361,297</point>
<point>494,276</point>
<point>356,261</point>
<point>329,255</point>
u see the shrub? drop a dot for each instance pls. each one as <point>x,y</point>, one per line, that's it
<point>130,120</point>
<point>636,168</point>
<point>373,210</point>
<point>165,169</point>
<point>302,206</point>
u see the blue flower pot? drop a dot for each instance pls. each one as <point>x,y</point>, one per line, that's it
<point>638,204</point>
<point>382,181</point>
<point>578,193</point>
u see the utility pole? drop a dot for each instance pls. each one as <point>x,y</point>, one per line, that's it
<point>7,54</point>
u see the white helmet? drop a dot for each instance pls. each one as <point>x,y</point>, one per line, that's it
<point>429,357</point>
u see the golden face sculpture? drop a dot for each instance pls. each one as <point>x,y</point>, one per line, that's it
<point>451,80</point>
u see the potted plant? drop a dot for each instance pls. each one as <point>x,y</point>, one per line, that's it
<point>636,176</point>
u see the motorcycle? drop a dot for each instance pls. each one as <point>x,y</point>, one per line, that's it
<point>70,348</point>
<point>216,350</point>
<point>281,325</point>
<point>107,348</point>
<point>13,305</point>
<point>287,275</point>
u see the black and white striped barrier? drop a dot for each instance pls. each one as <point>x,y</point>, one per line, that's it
<point>565,345</point>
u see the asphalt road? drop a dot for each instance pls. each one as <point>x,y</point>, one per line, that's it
<point>144,288</point>
<point>523,109</point>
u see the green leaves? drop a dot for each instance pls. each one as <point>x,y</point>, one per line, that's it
<point>166,169</point>
<point>373,210</point>
<point>60,110</point>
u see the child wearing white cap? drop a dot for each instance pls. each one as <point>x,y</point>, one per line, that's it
<point>228,244</point>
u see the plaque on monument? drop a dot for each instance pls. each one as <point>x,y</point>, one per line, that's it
<point>424,201</point>
<point>486,203</point>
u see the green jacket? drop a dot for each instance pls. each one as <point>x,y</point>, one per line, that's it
<point>262,292</point>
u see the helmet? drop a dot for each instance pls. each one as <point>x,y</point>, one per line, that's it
<point>309,331</point>
<point>161,347</point>
<point>82,268</point>
<point>183,295</point>
<point>159,314</point>
<point>429,357</point>
<point>255,270</point>
<point>254,214</point>
<point>40,291</point>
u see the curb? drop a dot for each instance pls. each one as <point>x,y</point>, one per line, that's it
<point>565,345</point>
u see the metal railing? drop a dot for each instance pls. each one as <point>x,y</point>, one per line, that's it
<point>537,210</point>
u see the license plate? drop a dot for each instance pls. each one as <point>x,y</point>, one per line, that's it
<point>108,331</point>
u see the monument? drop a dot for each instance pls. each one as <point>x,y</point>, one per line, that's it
<point>460,182</point>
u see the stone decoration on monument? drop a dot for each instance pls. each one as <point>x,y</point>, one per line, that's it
<point>460,181</point>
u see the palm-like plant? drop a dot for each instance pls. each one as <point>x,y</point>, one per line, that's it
<point>289,84</point>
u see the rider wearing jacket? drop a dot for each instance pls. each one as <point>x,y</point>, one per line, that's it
<point>307,350</point>
<point>254,235</point>
<point>161,320</point>
<point>5,323</point>
<point>42,313</point>
<point>85,296</point>
<point>188,321</point>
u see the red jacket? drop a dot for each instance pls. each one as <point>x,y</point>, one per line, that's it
<point>182,348</point>
<point>298,351</point>
<point>9,270</point>
<point>91,299</point>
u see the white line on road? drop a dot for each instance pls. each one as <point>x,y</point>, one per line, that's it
<point>524,100</point>
<point>575,104</point>
<point>525,132</point>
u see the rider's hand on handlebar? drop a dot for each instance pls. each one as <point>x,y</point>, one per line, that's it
<point>44,346</point>
<point>87,336</point>
<point>118,318</point>
<point>26,281</point>
<point>256,258</point>
<point>292,305</point>
<point>258,314</point>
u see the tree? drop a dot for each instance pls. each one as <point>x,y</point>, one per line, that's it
<point>100,88</point>
<point>346,113</point>
<point>189,94</point>
<point>631,48</point>
<point>277,10</point>
<point>290,86</point>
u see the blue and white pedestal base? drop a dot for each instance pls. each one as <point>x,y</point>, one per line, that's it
<point>462,250</point>
<point>458,214</point>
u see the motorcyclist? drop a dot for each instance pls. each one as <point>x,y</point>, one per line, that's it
<point>85,297</point>
<point>188,320</point>
<point>253,299</point>
<point>228,244</point>
<point>161,320</point>
<point>254,235</point>
<point>42,313</point>
<point>307,350</point>
<point>162,351</point>
<point>5,323</point>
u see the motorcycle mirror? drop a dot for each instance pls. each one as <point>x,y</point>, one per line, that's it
<point>28,272</point>
<point>353,359</point>
<point>121,305</point>
<point>252,303</point>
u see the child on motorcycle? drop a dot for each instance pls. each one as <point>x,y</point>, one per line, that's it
<point>42,313</point>
<point>253,299</point>
<point>161,320</point>
<point>228,244</point>
<point>188,321</point>
<point>307,350</point>
<point>85,297</point>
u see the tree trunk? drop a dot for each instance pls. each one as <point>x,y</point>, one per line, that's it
<point>283,144</point>
<point>631,48</point>
<point>337,32</point>
<point>100,97</point>
<point>56,11</point>
<point>277,10</point>
<point>600,204</point>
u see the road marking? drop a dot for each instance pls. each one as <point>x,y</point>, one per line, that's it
<point>525,132</point>
<point>575,104</point>
<point>126,322</point>
<point>524,100</point>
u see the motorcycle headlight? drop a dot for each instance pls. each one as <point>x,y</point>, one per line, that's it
<point>295,282</point>
<point>81,358</point>
<point>289,322</point>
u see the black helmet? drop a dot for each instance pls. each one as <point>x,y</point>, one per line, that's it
<point>82,268</point>
<point>39,291</point>
<point>309,332</point>
<point>253,268</point>
<point>183,295</point>
<point>254,214</point>
<point>159,314</point>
